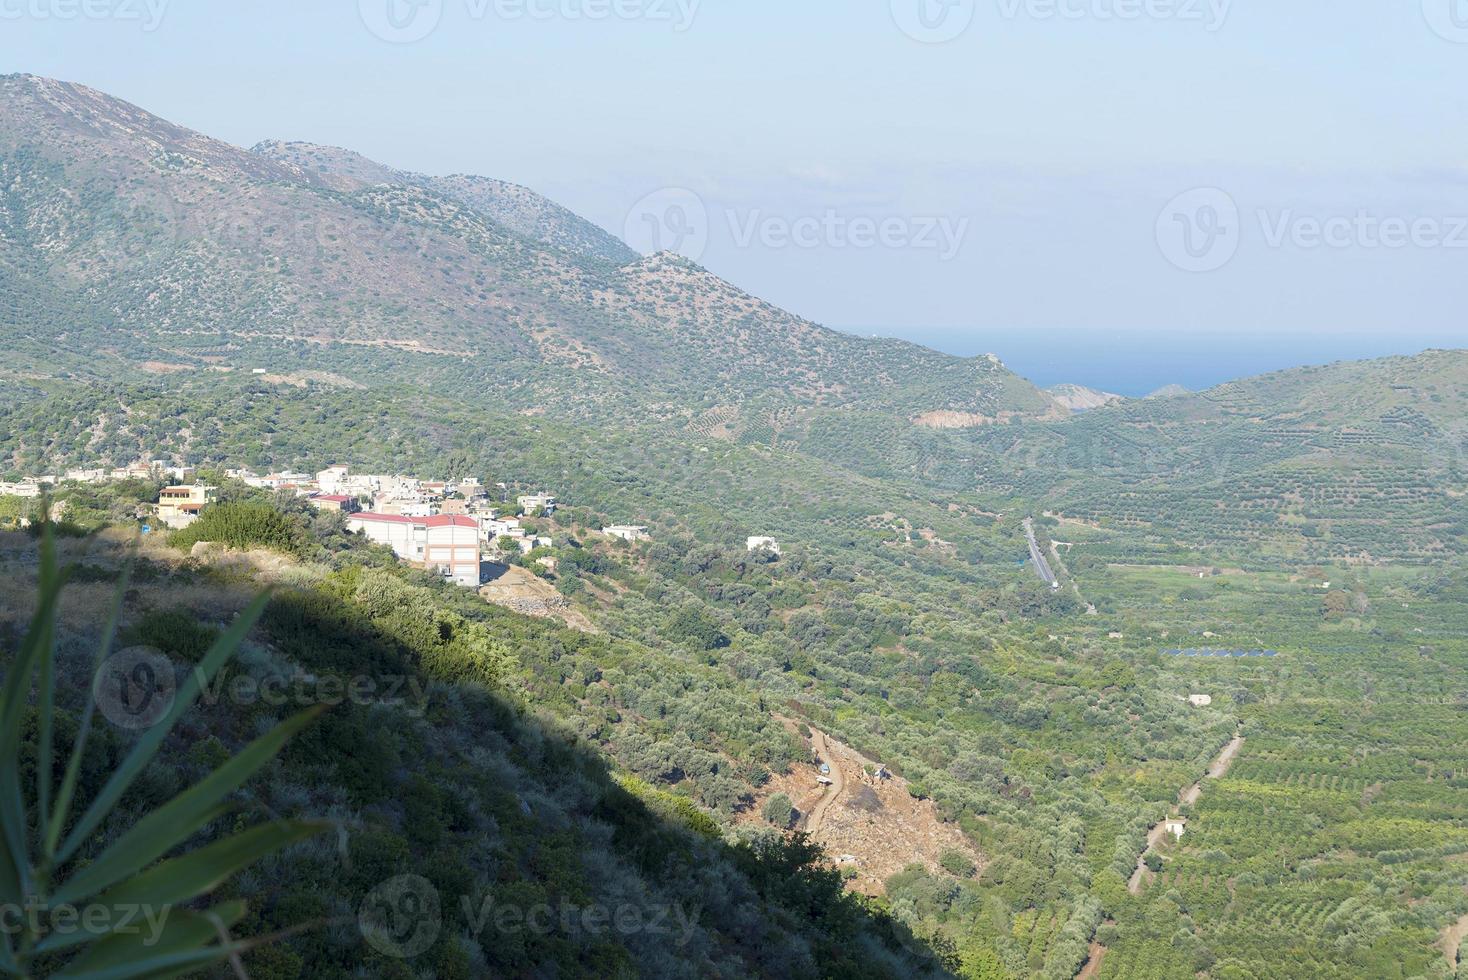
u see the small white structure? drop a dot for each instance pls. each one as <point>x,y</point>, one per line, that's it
<point>1176,827</point>
<point>764,544</point>
<point>627,532</point>
<point>1200,700</point>
<point>29,489</point>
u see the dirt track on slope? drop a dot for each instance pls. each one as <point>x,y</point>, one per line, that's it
<point>1187,797</point>
<point>817,816</point>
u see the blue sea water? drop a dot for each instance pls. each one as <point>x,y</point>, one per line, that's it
<point>1136,364</point>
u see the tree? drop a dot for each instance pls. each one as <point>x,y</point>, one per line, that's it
<point>778,810</point>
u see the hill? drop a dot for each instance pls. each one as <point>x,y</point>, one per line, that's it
<point>1079,398</point>
<point>129,241</point>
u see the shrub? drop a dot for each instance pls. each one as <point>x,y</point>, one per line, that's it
<point>242,524</point>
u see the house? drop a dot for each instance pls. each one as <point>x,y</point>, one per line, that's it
<point>1176,826</point>
<point>29,489</point>
<point>764,544</point>
<point>532,502</point>
<point>447,544</point>
<point>330,480</point>
<point>338,502</point>
<point>627,532</point>
<point>491,528</point>
<point>1200,700</point>
<point>179,506</point>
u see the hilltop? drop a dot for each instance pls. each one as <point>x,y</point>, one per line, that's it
<point>129,241</point>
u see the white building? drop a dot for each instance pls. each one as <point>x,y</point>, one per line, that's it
<point>627,532</point>
<point>531,502</point>
<point>330,480</point>
<point>1176,827</point>
<point>448,545</point>
<point>764,544</point>
<point>1200,700</point>
<point>26,488</point>
<point>493,528</point>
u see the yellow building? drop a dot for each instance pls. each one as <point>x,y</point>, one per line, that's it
<point>179,507</point>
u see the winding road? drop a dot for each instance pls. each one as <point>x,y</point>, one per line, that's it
<point>813,821</point>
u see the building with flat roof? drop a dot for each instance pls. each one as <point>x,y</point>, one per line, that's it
<point>178,507</point>
<point>446,544</point>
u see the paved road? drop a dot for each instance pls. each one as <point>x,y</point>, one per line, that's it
<point>817,816</point>
<point>1042,567</point>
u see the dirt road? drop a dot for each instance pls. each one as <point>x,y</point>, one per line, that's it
<point>1452,938</point>
<point>1187,797</point>
<point>817,817</point>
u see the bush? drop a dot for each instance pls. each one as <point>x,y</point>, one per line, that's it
<point>242,525</point>
<point>778,810</point>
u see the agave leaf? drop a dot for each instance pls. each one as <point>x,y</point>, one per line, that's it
<point>152,740</point>
<point>67,791</point>
<point>16,867</point>
<point>183,944</point>
<point>182,879</point>
<point>171,824</point>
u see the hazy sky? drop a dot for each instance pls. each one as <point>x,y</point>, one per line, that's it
<point>1035,173</point>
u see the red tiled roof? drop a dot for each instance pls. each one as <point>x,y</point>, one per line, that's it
<point>335,498</point>
<point>443,520</point>
<point>387,518</point>
<point>450,520</point>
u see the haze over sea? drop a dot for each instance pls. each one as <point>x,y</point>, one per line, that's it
<point>1138,363</point>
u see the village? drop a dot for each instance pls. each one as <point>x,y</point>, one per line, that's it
<point>459,528</point>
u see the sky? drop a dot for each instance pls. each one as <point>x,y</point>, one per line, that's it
<point>1121,193</point>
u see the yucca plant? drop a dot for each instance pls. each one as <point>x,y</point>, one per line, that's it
<point>42,866</point>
